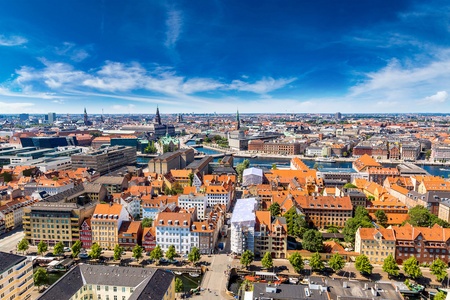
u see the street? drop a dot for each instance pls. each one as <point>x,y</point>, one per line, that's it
<point>9,241</point>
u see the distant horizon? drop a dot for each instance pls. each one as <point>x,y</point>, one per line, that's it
<point>187,56</point>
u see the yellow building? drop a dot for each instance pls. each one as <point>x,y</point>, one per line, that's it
<point>374,243</point>
<point>444,211</point>
<point>106,222</point>
<point>16,276</point>
<point>112,283</point>
<point>270,235</point>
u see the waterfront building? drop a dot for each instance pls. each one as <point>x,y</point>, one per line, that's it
<point>106,222</point>
<point>112,282</point>
<point>365,162</point>
<point>171,160</point>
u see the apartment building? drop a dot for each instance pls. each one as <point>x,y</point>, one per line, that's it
<point>113,184</point>
<point>375,243</point>
<point>219,194</point>
<point>105,160</point>
<point>322,211</point>
<point>206,233</point>
<point>444,210</point>
<point>174,228</point>
<point>171,160</point>
<point>282,148</point>
<point>131,203</point>
<point>86,234</point>
<point>365,162</point>
<point>112,283</point>
<point>191,200</point>
<point>16,276</point>
<point>379,175</point>
<point>411,151</point>
<point>357,198</point>
<point>130,234</point>
<point>151,207</point>
<point>12,212</point>
<point>105,223</point>
<point>270,235</point>
<point>149,239</point>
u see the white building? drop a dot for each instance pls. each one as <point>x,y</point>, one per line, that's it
<point>132,204</point>
<point>219,194</point>
<point>194,200</point>
<point>243,226</point>
<point>252,176</point>
<point>16,276</point>
<point>173,228</point>
<point>53,187</point>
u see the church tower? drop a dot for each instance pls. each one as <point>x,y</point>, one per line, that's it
<point>86,122</point>
<point>238,126</point>
<point>157,117</point>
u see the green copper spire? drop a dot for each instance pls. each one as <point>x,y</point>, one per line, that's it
<point>238,126</point>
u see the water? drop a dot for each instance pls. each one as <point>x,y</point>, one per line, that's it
<point>190,143</point>
<point>285,162</point>
<point>189,282</point>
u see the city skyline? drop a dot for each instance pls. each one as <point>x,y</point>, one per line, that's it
<point>301,57</point>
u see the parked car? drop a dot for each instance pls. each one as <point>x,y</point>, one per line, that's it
<point>163,261</point>
<point>173,261</point>
<point>49,255</point>
<point>67,249</point>
<point>185,255</point>
<point>327,270</point>
<point>83,255</point>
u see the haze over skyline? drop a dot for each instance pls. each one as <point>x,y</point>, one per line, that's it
<point>207,56</point>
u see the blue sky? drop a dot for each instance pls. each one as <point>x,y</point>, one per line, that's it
<point>217,56</point>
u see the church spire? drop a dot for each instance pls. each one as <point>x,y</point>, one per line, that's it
<point>86,122</point>
<point>157,117</point>
<point>238,126</point>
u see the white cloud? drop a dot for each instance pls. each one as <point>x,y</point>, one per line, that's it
<point>71,50</point>
<point>13,40</point>
<point>14,107</point>
<point>123,108</point>
<point>174,23</point>
<point>262,86</point>
<point>439,97</point>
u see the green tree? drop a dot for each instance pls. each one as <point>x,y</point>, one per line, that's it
<point>316,166</point>
<point>337,262</point>
<point>23,245</point>
<point>275,210</point>
<point>419,216</point>
<point>96,251</point>
<point>301,232</point>
<point>191,179</point>
<point>428,154</point>
<point>241,167</point>
<point>267,261</point>
<point>440,296</point>
<point>291,221</point>
<point>316,262</point>
<point>207,140</point>
<point>40,277</point>
<point>7,177</point>
<point>411,267</point>
<point>76,248</point>
<point>59,248</point>
<point>312,241</point>
<point>296,261</point>
<point>361,219</point>
<point>350,186</point>
<point>42,247</point>
<point>332,229</point>
<point>146,222</point>
<point>151,148</point>
<point>439,269</point>
<point>390,266</point>
<point>361,213</point>
<point>170,254</point>
<point>166,148</point>
<point>137,252</point>
<point>382,219</point>
<point>247,258</point>
<point>194,255</point>
<point>156,253</point>
<point>274,166</point>
<point>178,285</point>
<point>363,265</point>
<point>118,251</point>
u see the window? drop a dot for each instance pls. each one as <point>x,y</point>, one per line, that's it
<point>115,289</point>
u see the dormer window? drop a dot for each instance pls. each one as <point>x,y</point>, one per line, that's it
<point>169,222</point>
<point>185,223</point>
<point>161,222</point>
<point>177,222</point>
<point>203,227</point>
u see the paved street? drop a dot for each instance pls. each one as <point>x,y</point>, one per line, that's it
<point>9,241</point>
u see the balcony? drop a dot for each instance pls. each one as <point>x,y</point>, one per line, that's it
<point>20,267</point>
<point>21,275</point>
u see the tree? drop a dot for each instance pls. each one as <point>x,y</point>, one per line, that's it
<point>194,255</point>
<point>40,277</point>
<point>316,262</point>
<point>59,248</point>
<point>350,186</point>
<point>76,248</point>
<point>361,212</point>
<point>96,251</point>
<point>274,166</point>
<point>275,210</point>
<point>42,247</point>
<point>178,285</point>
<point>7,177</point>
<point>316,166</point>
<point>361,219</point>
<point>439,269</point>
<point>241,167</point>
<point>23,245</point>
<point>381,217</point>
<point>363,265</point>
<point>207,140</point>
<point>301,232</point>
<point>312,241</point>
<point>332,229</point>
<point>146,222</point>
<point>296,261</point>
<point>157,253</point>
<point>137,252</point>
<point>411,267</point>
<point>390,266</point>
<point>170,254</point>
<point>419,216</point>
<point>337,262</point>
<point>151,148</point>
<point>291,221</point>
<point>247,258</point>
<point>267,261</point>
<point>118,251</point>
<point>191,179</point>
<point>428,154</point>
<point>440,296</point>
